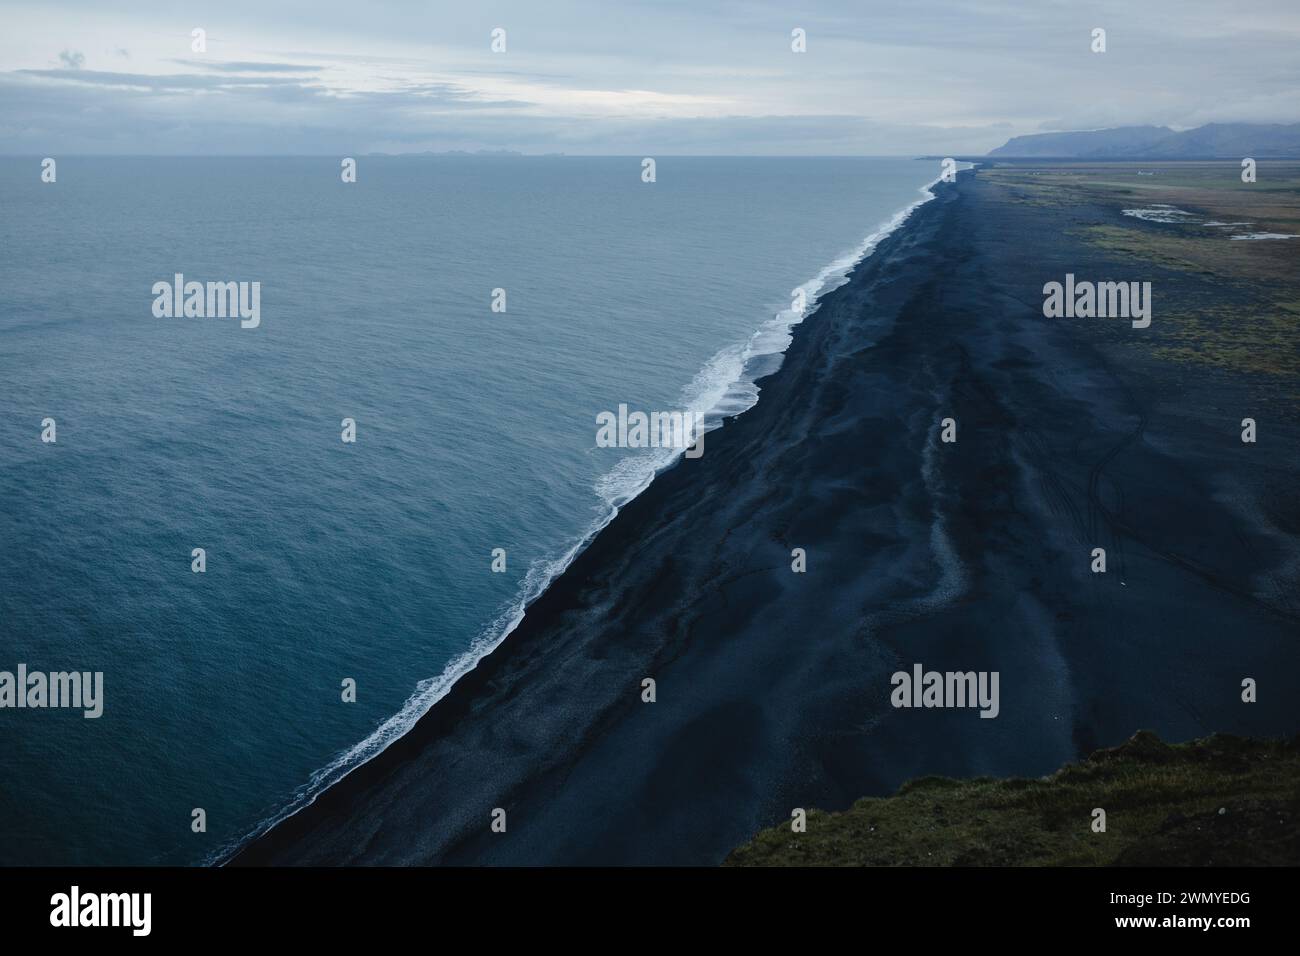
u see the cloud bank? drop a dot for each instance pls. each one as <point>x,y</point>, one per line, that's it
<point>658,77</point>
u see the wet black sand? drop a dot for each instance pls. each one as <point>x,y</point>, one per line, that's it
<point>773,687</point>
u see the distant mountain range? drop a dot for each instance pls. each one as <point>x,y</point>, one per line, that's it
<point>1212,141</point>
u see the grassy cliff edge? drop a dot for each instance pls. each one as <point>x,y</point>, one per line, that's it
<point>1217,801</point>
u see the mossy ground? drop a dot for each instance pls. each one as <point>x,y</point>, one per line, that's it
<point>1242,314</point>
<point>1163,806</point>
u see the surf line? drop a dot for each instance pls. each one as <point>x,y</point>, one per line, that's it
<point>430,690</point>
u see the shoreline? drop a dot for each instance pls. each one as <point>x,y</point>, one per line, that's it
<point>431,690</point>
<point>767,681</point>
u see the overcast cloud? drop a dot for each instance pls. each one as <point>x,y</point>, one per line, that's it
<point>658,77</point>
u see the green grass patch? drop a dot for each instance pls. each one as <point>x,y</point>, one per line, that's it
<point>1218,801</point>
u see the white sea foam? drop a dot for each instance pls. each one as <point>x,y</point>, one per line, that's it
<point>722,389</point>
<point>1266,235</point>
<point>719,390</point>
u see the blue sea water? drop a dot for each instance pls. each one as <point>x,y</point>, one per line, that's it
<point>325,560</point>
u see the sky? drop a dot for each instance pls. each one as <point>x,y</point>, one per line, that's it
<point>626,77</point>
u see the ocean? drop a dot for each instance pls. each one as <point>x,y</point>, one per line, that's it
<point>366,563</point>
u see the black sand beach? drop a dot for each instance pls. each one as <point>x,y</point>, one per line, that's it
<point>773,687</point>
